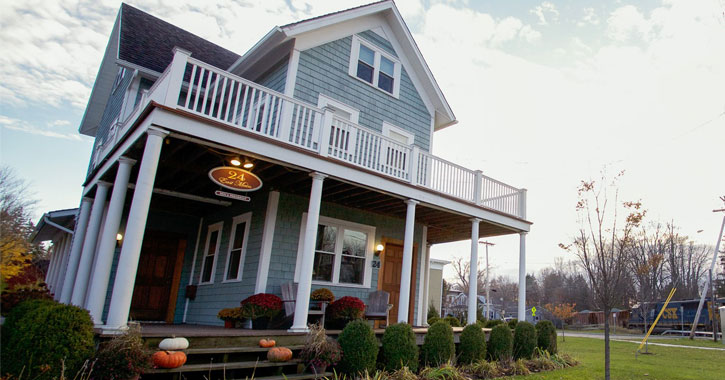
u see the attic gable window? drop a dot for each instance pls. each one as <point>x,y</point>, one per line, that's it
<point>374,66</point>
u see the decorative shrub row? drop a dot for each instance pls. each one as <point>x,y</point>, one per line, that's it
<point>473,344</point>
<point>546,336</point>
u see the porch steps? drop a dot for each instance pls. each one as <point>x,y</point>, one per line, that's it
<point>224,366</point>
<point>229,350</point>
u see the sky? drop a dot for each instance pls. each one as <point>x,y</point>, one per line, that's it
<point>547,93</point>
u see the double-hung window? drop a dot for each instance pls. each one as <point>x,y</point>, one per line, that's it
<point>211,251</point>
<point>343,252</point>
<point>374,66</point>
<point>237,247</point>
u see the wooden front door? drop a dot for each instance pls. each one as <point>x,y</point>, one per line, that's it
<point>389,278</point>
<point>158,276</point>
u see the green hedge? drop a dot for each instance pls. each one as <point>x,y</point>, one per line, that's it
<point>546,336</point>
<point>500,343</point>
<point>473,345</point>
<point>40,337</point>
<point>453,321</point>
<point>359,348</point>
<point>399,348</point>
<point>524,340</point>
<point>438,346</point>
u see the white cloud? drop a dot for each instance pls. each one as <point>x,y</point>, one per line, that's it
<point>590,18</point>
<point>50,130</point>
<point>545,11</point>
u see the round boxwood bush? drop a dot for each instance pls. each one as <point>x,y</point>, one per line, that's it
<point>453,321</point>
<point>500,343</point>
<point>433,320</point>
<point>473,344</point>
<point>359,348</point>
<point>399,348</point>
<point>524,340</point>
<point>546,336</point>
<point>438,346</point>
<point>46,337</point>
<point>512,323</point>
<point>491,323</point>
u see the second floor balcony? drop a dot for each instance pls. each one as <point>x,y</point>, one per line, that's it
<point>210,93</point>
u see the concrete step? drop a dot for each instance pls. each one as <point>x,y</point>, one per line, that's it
<point>229,350</point>
<point>224,366</point>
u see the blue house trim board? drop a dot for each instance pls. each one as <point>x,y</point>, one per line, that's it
<point>335,115</point>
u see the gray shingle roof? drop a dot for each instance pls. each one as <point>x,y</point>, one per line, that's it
<point>148,41</point>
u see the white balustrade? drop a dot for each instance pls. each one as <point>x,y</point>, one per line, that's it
<point>229,99</point>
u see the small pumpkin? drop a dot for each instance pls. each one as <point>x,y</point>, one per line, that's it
<point>279,354</point>
<point>169,359</point>
<point>174,344</point>
<point>267,343</point>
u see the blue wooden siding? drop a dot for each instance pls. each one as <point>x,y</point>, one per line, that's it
<point>275,77</point>
<point>211,298</point>
<point>324,69</point>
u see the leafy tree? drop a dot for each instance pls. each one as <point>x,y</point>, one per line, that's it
<point>15,225</point>
<point>602,244</point>
<point>563,312</point>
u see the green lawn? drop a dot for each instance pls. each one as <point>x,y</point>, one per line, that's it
<point>686,342</point>
<point>665,363</point>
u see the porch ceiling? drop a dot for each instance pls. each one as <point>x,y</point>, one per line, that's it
<point>184,166</point>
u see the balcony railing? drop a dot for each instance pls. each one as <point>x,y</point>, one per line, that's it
<point>194,86</point>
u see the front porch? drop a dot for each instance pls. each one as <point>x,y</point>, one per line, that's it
<point>318,170</point>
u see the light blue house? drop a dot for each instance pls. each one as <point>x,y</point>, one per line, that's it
<point>216,176</point>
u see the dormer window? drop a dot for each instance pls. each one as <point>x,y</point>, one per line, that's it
<point>374,66</point>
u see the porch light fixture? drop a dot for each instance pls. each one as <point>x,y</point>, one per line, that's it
<point>248,164</point>
<point>119,238</point>
<point>379,249</point>
<point>235,161</point>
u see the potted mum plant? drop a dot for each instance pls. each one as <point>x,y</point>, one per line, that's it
<point>321,296</point>
<point>231,316</point>
<point>260,308</point>
<point>320,351</point>
<point>344,310</point>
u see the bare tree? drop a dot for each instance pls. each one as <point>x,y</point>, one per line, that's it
<point>462,268</point>
<point>602,244</point>
<point>685,262</point>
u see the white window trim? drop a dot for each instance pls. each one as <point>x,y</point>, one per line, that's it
<point>355,54</point>
<point>368,268</point>
<point>244,218</point>
<point>387,128</point>
<point>324,100</point>
<point>212,228</point>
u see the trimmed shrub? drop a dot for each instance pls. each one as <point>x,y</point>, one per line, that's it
<point>359,348</point>
<point>45,336</point>
<point>438,346</point>
<point>473,345</point>
<point>433,320</point>
<point>433,312</point>
<point>399,348</point>
<point>453,321</point>
<point>546,336</point>
<point>500,343</point>
<point>491,323</point>
<point>524,340</point>
<point>512,323</point>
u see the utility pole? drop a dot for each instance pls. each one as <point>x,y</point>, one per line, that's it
<point>488,290</point>
<point>720,239</point>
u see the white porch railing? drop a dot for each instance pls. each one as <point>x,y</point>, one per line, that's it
<point>196,87</point>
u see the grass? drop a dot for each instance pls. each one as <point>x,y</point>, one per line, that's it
<point>687,342</point>
<point>671,363</point>
<point>612,330</point>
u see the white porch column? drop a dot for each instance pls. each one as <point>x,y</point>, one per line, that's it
<point>426,287</point>
<point>522,276</point>
<point>75,254</point>
<point>302,303</point>
<point>57,260</point>
<point>135,228</point>
<point>53,263</point>
<point>473,278</point>
<point>422,302</point>
<point>89,245</point>
<point>104,261</point>
<point>60,269</point>
<point>406,271</point>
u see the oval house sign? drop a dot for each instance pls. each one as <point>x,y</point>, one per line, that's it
<point>235,179</point>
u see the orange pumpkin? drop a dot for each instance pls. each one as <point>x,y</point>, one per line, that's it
<point>267,343</point>
<point>279,354</point>
<point>169,359</point>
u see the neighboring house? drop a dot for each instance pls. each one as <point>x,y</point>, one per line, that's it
<point>434,295</point>
<point>333,119</point>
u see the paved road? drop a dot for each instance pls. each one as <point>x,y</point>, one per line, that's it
<point>637,339</point>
